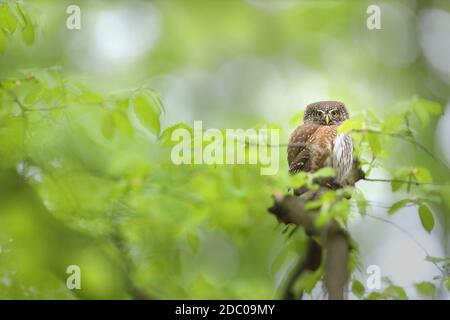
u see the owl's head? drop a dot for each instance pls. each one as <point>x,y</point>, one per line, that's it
<point>326,112</point>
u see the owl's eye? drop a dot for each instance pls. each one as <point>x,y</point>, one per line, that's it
<point>318,113</point>
<point>334,113</point>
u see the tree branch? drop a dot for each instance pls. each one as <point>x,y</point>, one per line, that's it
<point>337,248</point>
<point>334,239</point>
<point>311,262</point>
<point>128,267</point>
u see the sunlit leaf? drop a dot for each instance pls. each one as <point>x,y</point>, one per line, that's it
<point>298,180</point>
<point>325,172</point>
<point>27,28</point>
<point>396,292</point>
<point>422,115</point>
<point>374,296</point>
<point>107,125</point>
<point>392,122</point>
<point>374,143</point>
<point>323,217</point>
<point>7,18</point>
<point>357,288</point>
<point>426,217</point>
<point>403,174</point>
<point>311,279</point>
<point>166,134</point>
<point>313,204</point>
<point>430,106</point>
<point>361,202</point>
<point>34,96</point>
<point>148,110</point>
<point>423,175</point>
<point>123,123</point>
<point>426,289</point>
<point>90,97</point>
<point>398,205</point>
<point>349,125</point>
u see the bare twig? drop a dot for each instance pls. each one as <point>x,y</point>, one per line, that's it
<point>408,139</point>
<point>408,234</point>
<point>412,182</point>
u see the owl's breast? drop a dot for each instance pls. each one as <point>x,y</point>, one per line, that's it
<point>321,146</point>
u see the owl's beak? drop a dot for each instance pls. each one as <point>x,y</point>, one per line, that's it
<point>327,119</point>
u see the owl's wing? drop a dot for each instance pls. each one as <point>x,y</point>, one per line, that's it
<point>299,157</point>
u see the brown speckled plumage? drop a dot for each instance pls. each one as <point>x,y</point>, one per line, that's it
<point>316,143</point>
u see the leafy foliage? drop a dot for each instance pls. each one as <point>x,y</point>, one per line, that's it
<point>14,17</point>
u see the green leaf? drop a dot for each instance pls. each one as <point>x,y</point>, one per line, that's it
<point>402,174</point>
<point>361,202</point>
<point>3,42</point>
<point>426,217</point>
<point>307,281</point>
<point>123,123</point>
<point>7,19</point>
<point>398,205</point>
<point>394,291</point>
<point>430,106</point>
<point>313,204</point>
<point>34,96</point>
<point>349,125</point>
<point>323,217</point>
<point>166,135</point>
<point>374,143</point>
<point>398,292</point>
<point>28,34</point>
<point>357,288</point>
<point>91,98</point>
<point>426,289</point>
<point>107,125</point>
<point>148,109</point>
<point>373,116</point>
<point>396,185</point>
<point>422,114</point>
<point>298,180</point>
<point>422,175</point>
<point>27,28</point>
<point>392,122</point>
<point>325,172</point>
<point>374,296</point>
<point>311,280</point>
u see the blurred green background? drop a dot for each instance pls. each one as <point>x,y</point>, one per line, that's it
<point>83,182</point>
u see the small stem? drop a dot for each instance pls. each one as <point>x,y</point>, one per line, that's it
<point>408,139</point>
<point>406,181</point>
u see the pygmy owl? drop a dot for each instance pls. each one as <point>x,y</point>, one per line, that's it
<point>316,143</point>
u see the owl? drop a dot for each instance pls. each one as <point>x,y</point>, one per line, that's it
<point>316,143</point>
